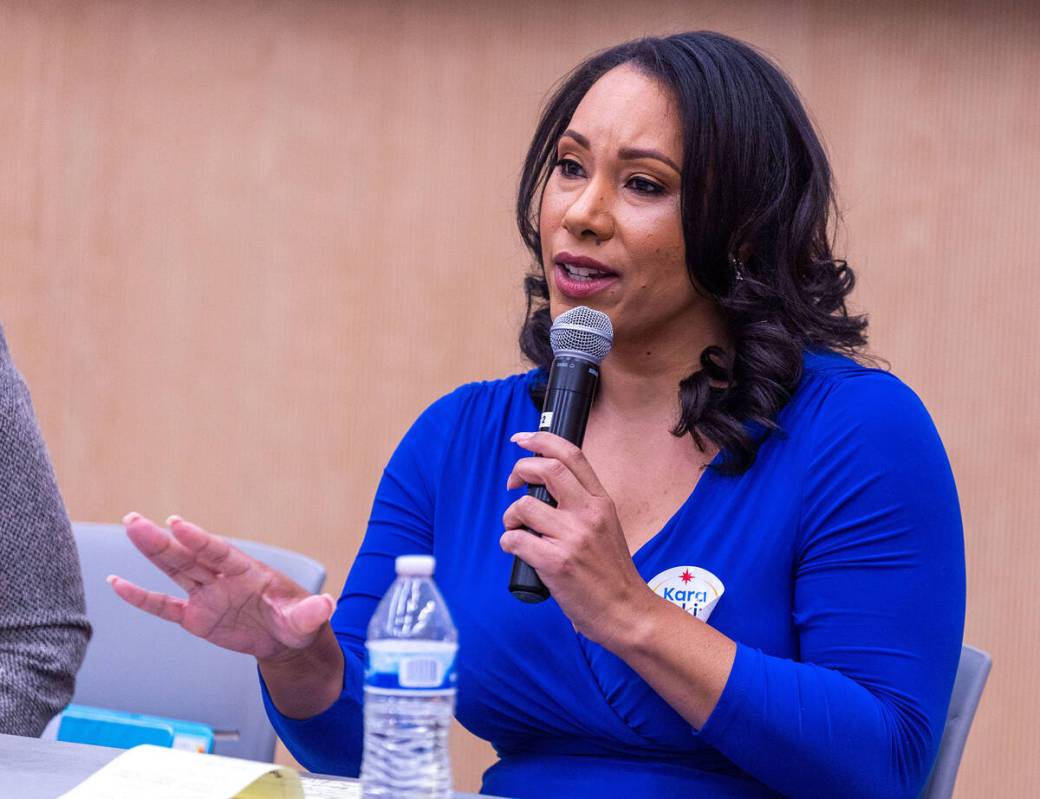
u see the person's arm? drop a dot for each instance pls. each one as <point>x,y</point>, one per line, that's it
<point>879,609</point>
<point>310,666</point>
<point>401,523</point>
<point>43,626</point>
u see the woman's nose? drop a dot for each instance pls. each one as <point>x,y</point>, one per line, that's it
<point>590,214</point>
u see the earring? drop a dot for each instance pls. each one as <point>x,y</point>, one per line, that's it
<point>738,269</point>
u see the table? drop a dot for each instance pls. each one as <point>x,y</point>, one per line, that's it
<point>31,768</point>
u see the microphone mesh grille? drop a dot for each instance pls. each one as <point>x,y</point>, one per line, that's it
<point>583,331</point>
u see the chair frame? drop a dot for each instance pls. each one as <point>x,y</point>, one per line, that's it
<point>972,673</point>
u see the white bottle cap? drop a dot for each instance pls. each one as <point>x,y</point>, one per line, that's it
<point>414,565</point>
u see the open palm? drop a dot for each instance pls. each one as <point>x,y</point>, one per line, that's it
<point>234,601</point>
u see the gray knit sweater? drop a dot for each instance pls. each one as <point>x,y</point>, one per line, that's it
<point>43,626</point>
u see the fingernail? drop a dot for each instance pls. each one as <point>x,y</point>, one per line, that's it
<point>517,437</point>
<point>110,579</point>
<point>172,520</point>
<point>131,517</point>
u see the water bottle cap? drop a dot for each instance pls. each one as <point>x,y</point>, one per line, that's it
<point>414,565</point>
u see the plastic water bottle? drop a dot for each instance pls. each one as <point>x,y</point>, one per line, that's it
<point>409,688</point>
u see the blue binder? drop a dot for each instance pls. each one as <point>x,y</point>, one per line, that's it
<point>92,725</point>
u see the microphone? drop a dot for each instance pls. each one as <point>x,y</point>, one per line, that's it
<point>580,338</point>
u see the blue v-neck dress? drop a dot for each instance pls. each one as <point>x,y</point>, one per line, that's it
<point>841,558</point>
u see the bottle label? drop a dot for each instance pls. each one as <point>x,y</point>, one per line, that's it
<point>403,666</point>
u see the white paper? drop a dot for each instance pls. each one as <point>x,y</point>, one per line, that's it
<point>159,773</point>
<point>314,788</point>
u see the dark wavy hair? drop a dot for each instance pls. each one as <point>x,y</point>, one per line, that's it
<point>756,205</point>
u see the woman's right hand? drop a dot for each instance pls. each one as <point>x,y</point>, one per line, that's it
<point>234,601</point>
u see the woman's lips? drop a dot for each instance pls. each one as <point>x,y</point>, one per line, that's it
<point>584,278</point>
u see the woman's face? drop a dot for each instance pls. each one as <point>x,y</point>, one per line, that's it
<point>611,231</point>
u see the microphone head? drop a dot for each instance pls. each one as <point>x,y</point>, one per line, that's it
<point>583,332</point>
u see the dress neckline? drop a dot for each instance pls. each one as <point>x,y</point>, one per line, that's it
<point>707,475</point>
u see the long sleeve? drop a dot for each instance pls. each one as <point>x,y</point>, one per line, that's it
<point>401,523</point>
<point>43,625</point>
<point>878,609</point>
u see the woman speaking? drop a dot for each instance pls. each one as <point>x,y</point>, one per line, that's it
<point>756,560</point>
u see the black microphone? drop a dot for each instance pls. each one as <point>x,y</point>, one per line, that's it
<point>580,338</point>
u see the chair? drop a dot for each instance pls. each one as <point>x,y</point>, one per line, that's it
<point>141,664</point>
<point>972,672</point>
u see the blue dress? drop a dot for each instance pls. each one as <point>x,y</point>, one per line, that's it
<point>841,563</point>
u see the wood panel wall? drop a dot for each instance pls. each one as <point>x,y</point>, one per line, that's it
<point>243,244</point>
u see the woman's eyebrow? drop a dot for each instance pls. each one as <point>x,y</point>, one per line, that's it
<point>625,153</point>
<point>632,153</point>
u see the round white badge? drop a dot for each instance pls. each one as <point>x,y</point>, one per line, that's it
<point>691,588</point>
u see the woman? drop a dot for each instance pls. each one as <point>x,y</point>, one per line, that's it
<point>43,625</point>
<point>797,502</point>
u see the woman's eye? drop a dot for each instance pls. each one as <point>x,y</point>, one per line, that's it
<point>644,186</point>
<point>569,168</point>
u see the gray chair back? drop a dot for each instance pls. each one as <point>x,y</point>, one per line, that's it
<point>140,664</point>
<point>972,672</point>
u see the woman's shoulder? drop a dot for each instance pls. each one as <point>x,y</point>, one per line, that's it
<point>497,388</point>
<point>482,401</point>
<point>833,379</point>
<point>838,394</point>
<point>834,368</point>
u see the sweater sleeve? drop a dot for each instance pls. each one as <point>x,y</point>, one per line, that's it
<point>43,625</point>
<point>878,608</point>
<point>401,523</point>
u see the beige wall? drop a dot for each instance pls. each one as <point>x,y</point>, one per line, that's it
<point>242,244</point>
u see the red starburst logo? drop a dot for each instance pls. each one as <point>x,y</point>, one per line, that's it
<point>686,576</point>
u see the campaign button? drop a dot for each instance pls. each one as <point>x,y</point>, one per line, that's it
<point>691,588</point>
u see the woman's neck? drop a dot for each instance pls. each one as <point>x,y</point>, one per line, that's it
<point>642,373</point>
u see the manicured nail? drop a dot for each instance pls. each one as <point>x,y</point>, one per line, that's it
<point>131,517</point>
<point>518,437</point>
<point>110,579</point>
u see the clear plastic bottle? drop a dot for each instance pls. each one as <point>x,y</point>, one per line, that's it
<point>409,688</point>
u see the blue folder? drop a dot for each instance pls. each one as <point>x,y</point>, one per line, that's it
<point>102,727</point>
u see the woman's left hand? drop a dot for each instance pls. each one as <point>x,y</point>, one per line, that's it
<point>582,555</point>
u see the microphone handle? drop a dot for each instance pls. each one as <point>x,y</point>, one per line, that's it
<point>565,412</point>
